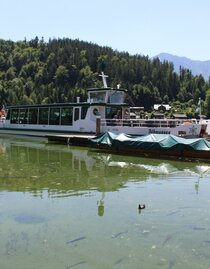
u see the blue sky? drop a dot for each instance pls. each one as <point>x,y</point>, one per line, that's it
<point>146,27</point>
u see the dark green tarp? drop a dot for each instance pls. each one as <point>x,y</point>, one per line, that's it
<point>103,139</point>
<point>150,142</point>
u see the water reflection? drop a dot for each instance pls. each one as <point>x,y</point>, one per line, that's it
<point>63,171</point>
<point>101,205</point>
<point>97,222</point>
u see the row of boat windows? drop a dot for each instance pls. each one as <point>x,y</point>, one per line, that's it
<point>46,115</point>
<point>152,131</point>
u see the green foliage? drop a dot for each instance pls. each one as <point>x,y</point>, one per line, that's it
<point>59,70</point>
<point>207,103</point>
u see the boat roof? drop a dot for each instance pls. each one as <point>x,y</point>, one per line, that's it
<point>87,104</point>
<point>49,105</point>
<point>106,89</point>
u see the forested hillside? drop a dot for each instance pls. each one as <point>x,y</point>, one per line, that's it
<point>36,71</point>
<point>197,67</point>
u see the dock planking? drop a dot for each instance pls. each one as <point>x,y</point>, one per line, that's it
<point>70,139</point>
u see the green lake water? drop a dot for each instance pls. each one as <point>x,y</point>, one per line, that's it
<point>64,207</point>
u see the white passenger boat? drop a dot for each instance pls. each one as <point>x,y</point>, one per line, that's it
<point>104,111</point>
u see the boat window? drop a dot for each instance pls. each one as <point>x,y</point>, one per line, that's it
<point>96,97</point>
<point>33,115</point>
<point>23,116</point>
<point>8,115</point>
<point>43,115</point>
<point>84,112</point>
<point>76,114</point>
<point>14,115</point>
<point>116,97</point>
<point>54,116</point>
<point>111,112</point>
<point>66,115</point>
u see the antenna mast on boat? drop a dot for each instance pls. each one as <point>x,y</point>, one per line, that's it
<point>104,79</point>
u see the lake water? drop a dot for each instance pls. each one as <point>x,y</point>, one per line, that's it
<point>66,207</point>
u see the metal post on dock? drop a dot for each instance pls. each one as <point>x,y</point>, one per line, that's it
<point>98,125</point>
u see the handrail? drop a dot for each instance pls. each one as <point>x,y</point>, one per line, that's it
<point>167,123</point>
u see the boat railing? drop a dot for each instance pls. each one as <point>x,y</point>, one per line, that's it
<point>152,123</point>
<point>2,119</point>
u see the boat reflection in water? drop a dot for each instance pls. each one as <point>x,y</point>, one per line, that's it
<point>66,171</point>
<point>62,207</point>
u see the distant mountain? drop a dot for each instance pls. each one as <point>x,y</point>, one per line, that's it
<point>197,67</point>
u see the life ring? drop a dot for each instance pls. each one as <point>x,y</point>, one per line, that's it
<point>95,112</point>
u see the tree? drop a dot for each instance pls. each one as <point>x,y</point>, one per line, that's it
<point>207,104</point>
<point>61,76</point>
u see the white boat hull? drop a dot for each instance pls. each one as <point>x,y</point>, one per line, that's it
<point>186,130</point>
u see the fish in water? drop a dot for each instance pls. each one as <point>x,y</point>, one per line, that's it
<point>76,240</point>
<point>197,228</point>
<point>119,260</point>
<point>119,234</point>
<point>172,213</point>
<point>171,264</point>
<point>167,239</point>
<point>76,264</point>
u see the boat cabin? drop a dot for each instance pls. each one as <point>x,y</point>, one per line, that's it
<point>105,102</point>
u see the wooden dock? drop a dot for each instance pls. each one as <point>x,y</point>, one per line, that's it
<point>70,139</point>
